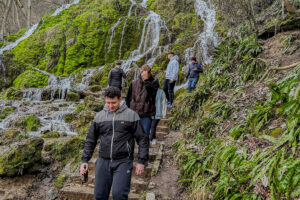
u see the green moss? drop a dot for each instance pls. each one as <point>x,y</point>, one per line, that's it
<point>95,88</point>
<point>12,94</point>
<point>52,134</point>
<point>32,123</point>
<point>71,149</point>
<point>20,157</point>
<point>15,36</point>
<point>276,132</point>
<point>30,79</point>
<point>79,108</point>
<point>22,135</point>
<point>72,96</point>
<point>60,180</point>
<point>12,133</point>
<point>6,111</point>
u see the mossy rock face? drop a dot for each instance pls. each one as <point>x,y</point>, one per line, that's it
<point>52,134</point>
<point>30,79</point>
<point>12,133</point>
<point>12,94</point>
<point>94,104</point>
<point>6,111</point>
<point>72,96</point>
<point>32,123</point>
<point>84,120</point>
<point>20,157</point>
<point>70,149</point>
<point>276,132</point>
<point>95,88</point>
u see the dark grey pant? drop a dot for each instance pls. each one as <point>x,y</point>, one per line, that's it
<point>154,124</point>
<point>115,174</point>
<point>169,90</point>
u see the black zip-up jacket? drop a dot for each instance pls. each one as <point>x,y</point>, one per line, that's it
<point>115,77</point>
<point>117,131</point>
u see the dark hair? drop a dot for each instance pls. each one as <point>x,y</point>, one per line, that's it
<point>118,63</point>
<point>194,59</point>
<point>112,92</point>
<point>172,53</point>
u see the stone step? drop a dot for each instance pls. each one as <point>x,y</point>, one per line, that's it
<point>85,192</point>
<point>162,129</point>
<point>163,122</point>
<point>160,136</point>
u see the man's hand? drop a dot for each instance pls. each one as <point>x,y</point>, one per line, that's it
<point>144,75</point>
<point>84,168</point>
<point>195,68</point>
<point>171,81</point>
<point>139,169</point>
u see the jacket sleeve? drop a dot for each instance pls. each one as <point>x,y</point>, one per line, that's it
<point>128,97</point>
<point>175,70</point>
<point>188,74</point>
<point>142,141</point>
<point>109,78</point>
<point>90,143</point>
<point>199,68</point>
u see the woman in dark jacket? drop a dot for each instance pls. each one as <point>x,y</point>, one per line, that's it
<point>141,97</point>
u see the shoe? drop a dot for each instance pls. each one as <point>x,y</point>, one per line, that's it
<point>169,105</point>
<point>153,142</point>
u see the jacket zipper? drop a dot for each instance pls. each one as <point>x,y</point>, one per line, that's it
<point>112,138</point>
<point>129,149</point>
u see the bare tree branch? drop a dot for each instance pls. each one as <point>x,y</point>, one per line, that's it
<point>8,7</point>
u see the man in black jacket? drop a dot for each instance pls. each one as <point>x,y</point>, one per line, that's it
<point>117,126</point>
<point>115,76</point>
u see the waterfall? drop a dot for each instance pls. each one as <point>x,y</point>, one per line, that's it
<point>124,26</point>
<point>208,38</point>
<point>112,30</point>
<point>64,7</point>
<point>2,70</point>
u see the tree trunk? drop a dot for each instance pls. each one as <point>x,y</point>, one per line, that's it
<point>17,15</point>
<point>29,13</point>
<point>19,4</point>
<point>8,7</point>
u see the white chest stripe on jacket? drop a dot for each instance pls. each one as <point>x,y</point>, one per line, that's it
<point>112,138</point>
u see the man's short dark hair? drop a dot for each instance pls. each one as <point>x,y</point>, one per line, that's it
<point>194,59</point>
<point>112,92</point>
<point>172,53</point>
<point>118,63</point>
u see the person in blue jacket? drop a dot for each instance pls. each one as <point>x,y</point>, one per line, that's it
<point>193,74</point>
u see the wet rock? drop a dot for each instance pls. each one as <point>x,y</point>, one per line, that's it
<point>52,134</point>
<point>72,96</point>
<point>84,120</point>
<point>22,156</point>
<point>6,111</point>
<point>94,104</point>
<point>71,148</point>
<point>12,133</point>
<point>13,94</point>
<point>95,88</point>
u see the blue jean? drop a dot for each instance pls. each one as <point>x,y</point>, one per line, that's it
<point>192,84</point>
<point>146,123</point>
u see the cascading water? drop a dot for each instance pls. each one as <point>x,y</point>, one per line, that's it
<point>112,30</point>
<point>207,39</point>
<point>2,70</point>
<point>64,7</point>
<point>149,42</point>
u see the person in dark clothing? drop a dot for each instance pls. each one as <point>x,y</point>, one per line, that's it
<point>171,77</point>
<point>115,76</point>
<point>118,127</point>
<point>141,97</point>
<point>193,74</point>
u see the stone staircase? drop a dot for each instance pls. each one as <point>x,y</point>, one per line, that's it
<point>75,190</point>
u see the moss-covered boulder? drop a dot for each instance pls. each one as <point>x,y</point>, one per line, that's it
<point>22,156</point>
<point>12,133</point>
<point>6,111</point>
<point>95,88</point>
<point>52,134</point>
<point>32,123</point>
<point>84,120</point>
<point>72,96</point>
<point>94,104</point>
<point>30,79</point>
<point>12,94</point>
<point>70,149</point>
